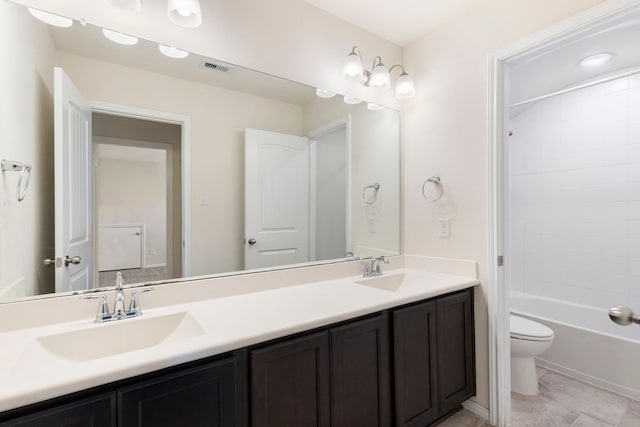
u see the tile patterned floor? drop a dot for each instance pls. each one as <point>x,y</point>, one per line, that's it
<point>566,402</point>
<point>562,402</point>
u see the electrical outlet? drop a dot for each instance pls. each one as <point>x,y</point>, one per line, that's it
<point>443,228</point>
<point>204,198</point>
<point>371,225</point>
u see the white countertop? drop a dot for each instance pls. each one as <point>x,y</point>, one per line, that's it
<point>30,373</point>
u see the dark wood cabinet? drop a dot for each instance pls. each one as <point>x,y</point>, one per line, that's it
<point>360,374</point>
<point>409,367</point>
<point>414,348</point>
<point>96,411</point>
<point>434,360</point>
<point>455,350</point>
<point>202,396</point>
<point>290,383</point>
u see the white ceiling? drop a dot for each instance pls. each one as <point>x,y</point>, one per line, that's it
<point>399,21</point>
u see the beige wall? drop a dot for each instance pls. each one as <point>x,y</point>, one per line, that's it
<point>26,135</point>
<point>218,119</point>
<point>445,134</point>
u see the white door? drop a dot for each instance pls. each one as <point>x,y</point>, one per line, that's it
<point>276,199</point>
<point>73,186</point>
<point>119,247</point>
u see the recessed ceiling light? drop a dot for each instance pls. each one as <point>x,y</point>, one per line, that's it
<point>374,107</point>
<point>323,93</point>
<point>352,101</point>
<point>595,60</point>
<point>52,19</point>
<point>119,38</point>
<point>172,52</point>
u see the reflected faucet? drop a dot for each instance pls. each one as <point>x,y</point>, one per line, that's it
<point>374,269</point>
<point>352,256</point>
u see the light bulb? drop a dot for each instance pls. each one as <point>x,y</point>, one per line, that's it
<point>120,38</point>
<point>595,60</point>
<point>405,88</point>
<point>184,12</point>
<point>323,93</point>
<point>352,101</point>
<point>380,78</point>
<point>352,69</point>
<point>51,19</point>
<point>172,52</point>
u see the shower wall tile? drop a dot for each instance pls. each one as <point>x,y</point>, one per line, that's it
<point>575,195</point>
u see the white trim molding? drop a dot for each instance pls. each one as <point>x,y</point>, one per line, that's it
<point>498,289</point>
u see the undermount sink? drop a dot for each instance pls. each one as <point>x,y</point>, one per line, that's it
<point>122,336</point>
<point>389,282</point>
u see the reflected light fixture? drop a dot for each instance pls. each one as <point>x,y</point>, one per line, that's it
<point>173,52</point>
<point>120,38</point>
<point>595,60</point>
<point>374,107</point>
<point>323,93</point>
<point>352,101</point>
<point>127,5</point>
<point>185,13</point>
<point>379,77</point>
<point>51,19</point>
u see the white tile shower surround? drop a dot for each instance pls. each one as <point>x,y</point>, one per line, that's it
<point>575,196</point>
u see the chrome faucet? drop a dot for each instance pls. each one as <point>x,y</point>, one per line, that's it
<point>351,255</point>
<point>374,269</point>
<point>119,312</point>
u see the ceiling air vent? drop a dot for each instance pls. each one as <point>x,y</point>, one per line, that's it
<point>210,65</point>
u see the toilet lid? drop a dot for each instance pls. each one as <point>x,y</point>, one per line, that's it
<point>525,328</point>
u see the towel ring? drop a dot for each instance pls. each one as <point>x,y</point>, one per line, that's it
<point>11,166</point>
<point>435,180</point>
<point>375,187</point>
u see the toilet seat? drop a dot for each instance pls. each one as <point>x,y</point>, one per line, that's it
<point>525,329</point>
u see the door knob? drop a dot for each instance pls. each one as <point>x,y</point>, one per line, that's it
<point>55,261</point>
<point>73,260</point>
<point>252,241</point>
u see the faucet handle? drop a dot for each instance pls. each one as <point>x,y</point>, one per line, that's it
<point>103,309</point>
<point>134,305</point>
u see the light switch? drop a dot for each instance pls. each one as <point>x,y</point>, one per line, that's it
<point>204,198</point>
<point>371,225</point>
<point>443,228</point>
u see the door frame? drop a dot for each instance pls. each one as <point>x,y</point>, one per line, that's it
<point>312,135</point>
<point>185,151</point>
<point>498,109</point>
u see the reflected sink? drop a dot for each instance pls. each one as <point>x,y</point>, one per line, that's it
<point>389,282</point>
<point>121,336</point>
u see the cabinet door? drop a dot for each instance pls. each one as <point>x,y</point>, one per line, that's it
<point>360,380</point>
<point>202,396</point>
<point>97,411</point>
<point>455,349</point>
<point>414,344</point>
<point>290,383</point>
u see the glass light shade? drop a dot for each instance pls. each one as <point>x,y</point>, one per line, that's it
<point>380,78</point>
<point>185,13</point>
<point>51,19</point>
<point>127,5</point>
<point>120,38</point>
<point>352,69</point>
<point>352,101</point>
<point>172,52</point>
<point>595,60</point>
<point>405,87</point>
<point>323,93</point>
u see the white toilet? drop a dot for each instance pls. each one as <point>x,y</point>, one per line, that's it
<point>528,340</point>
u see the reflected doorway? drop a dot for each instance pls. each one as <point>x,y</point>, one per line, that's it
<point>137,207</point>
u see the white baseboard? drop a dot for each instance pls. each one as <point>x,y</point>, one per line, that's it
<point>155,265</point>
<point>476,409</point>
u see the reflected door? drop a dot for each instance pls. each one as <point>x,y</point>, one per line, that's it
<point>276,199</point>
<point>73,186</point>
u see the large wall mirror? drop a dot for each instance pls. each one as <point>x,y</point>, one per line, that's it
<point>165,168</point>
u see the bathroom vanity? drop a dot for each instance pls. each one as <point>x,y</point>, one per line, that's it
<point>397,349</point>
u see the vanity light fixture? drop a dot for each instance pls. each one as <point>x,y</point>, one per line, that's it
<point>127,5</point>
<point>51,19</point>
<point>185,13</point>
<point>323,93</point>
<point>173,52</point>
<point>379,77</point>
<point>352,101</point>
<point>120,38</point>
<point>595,60</point>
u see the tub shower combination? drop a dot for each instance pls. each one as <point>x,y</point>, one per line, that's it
<point>587,345</point>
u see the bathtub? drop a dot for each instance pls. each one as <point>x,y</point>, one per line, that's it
<point>586,345</point>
